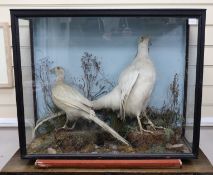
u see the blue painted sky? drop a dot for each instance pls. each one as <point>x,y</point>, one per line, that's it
<point>114,41</point>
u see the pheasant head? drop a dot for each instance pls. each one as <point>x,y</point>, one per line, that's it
<point>59,72</point>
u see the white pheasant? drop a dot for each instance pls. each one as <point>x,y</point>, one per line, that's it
<point>134,88</point>
<point>76,105</point>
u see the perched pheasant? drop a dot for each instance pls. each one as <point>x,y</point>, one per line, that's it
<point>135,86</point>
<point>76,105</point>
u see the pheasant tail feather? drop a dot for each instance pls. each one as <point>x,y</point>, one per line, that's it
<point>126,91</point>
<point>107,128</point>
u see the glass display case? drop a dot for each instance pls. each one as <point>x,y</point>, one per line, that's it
<point>108,84</point>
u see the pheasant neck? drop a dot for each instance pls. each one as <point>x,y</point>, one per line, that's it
<point>59,79</point>
<point>143,52</point>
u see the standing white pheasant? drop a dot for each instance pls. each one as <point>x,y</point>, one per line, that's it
<point>76,105</point>
<point>135,86</point>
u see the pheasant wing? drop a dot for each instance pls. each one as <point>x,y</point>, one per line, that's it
<point>65,95</point>
<point>127,83</point>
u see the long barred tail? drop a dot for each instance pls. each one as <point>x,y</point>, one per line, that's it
<point>46,119</point>
<point>107,128</point>
<point>122,110</point>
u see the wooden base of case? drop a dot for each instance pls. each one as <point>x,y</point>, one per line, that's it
<point>155,163</point>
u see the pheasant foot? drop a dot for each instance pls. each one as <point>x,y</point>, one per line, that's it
<point>154,127</point>
<point>141,128</point>
<point>65,127</point>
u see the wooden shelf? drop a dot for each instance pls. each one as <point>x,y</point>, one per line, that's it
<point>19,166</point>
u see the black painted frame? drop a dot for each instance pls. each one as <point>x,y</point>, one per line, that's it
<point>200,14</point>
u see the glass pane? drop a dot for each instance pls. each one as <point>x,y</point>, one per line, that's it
<point>27,74</point>
<point>191,78</point>
<point>136,73</point>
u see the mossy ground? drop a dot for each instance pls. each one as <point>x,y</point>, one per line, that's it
<point>98,141</point>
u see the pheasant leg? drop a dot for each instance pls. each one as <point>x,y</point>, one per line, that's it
<point>65,125</point>
<point>151,123</point>
<point>73,126</point>
<point>140,126</point>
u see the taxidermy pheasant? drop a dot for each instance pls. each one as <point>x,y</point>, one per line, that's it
<point>76,105</point>
<point>134,88</point>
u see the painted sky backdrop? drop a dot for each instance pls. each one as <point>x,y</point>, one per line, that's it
<point>114,41</point>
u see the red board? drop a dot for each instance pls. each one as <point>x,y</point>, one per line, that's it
<point>155,163</point>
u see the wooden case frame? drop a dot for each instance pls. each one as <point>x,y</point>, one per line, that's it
<point>200,14</point>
